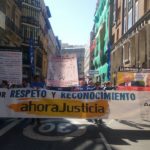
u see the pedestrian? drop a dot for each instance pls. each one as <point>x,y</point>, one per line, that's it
<point>25,83</point>
<point>37,82</point>
<point>4,84</point>
<point>91,86</point>
<point>82,86</point>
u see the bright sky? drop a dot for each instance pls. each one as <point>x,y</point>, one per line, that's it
<point>72,20</point>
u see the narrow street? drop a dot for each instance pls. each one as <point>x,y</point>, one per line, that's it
<point>73,134</point>
<point>64,63</point>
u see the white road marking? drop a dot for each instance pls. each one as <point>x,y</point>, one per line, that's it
<point>73,121</point>
<point>105,141</point>
<point>9,126</point>
<point>30,133</point>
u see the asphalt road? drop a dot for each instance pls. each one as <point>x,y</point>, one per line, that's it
<point>73,134</point>
<point>51,134</point>
<point>127,135</point>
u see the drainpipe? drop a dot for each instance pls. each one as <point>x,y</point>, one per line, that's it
<point>148,45</point>
<point>138,52</point>
<point>146,49</point>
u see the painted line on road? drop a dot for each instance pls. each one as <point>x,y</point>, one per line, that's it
<point>105,141</point>
<point>9,126</point>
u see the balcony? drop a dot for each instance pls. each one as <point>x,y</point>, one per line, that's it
<point>10,24</point>
<point>48,25</point>
<point>30,20</point>
<point>48,12</point>
<point>34,4</point>
<point>27,39</point>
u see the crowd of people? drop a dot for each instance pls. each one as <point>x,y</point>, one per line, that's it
<point>37,83</point>
<point>85,86</point>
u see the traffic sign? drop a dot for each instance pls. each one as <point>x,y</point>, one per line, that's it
<point>93,72</point>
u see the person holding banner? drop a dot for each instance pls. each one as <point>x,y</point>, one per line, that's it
<point>4,84</point>
<point>25,84</point>
<point>37,84</point>
<point>82,86</point>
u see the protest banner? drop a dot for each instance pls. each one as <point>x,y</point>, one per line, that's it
<point>11,67</point>
<point>29,103</point>
<point>133,81</point>
<point>62,71</point>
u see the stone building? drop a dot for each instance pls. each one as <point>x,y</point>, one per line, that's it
<point>130,35</point>
<point>25,24</point>
<point>10,15</point>
<point>99,45</point>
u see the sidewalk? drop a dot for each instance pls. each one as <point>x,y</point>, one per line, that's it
<point>127,124</point>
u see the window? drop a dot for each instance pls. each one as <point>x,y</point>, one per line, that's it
<point>117,34</point>
<point>125,6</point>
<point>130,13</point>
<point>115,11</point>
<point>17,21</point>
<point>8,11</point>
<point>136,11</point>
<point>113,38</point>
<point>126,53</point>
<point>28,32</point>
<point>119,15</point>
<point>130,5</point>
<point>130,19</point>
<point>125,25</point>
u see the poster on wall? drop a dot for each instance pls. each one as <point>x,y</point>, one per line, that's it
<point>11,67</point>
<point>133,81</point>
<point>62,71</point>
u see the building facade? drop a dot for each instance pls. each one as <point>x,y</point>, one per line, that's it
<point>100,48</point>
<point>25,24</point>
<point>10,15</point>
<point>35,26</point>
<point>79,52</point>
<point>87,62</point>
<point>130,35</point>
<point>31,45</point>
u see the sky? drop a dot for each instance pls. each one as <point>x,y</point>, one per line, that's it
<point>72,20</point>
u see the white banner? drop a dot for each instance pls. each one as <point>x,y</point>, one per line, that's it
<point>11,67</point>
<point>28,103</point>
<point>62,72</point>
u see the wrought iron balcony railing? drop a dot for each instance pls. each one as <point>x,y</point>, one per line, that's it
<point>30,20</point>
<point>26,40</point>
